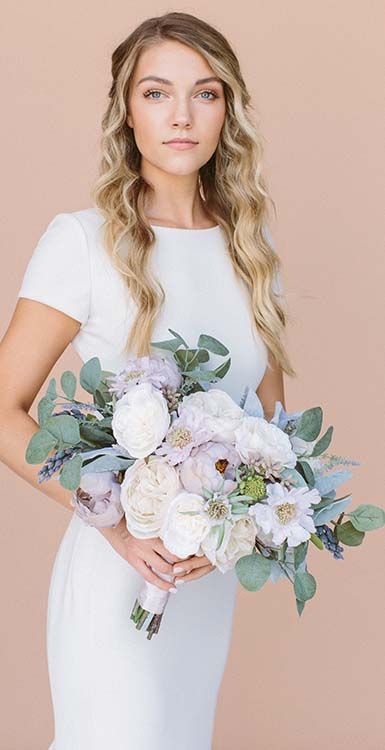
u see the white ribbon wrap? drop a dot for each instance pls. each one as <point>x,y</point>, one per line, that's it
<point>151,597</point>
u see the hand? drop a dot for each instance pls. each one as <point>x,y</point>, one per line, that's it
<point>141,553</point>
<point>194,567</point>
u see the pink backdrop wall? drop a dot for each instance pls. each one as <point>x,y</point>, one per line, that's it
<point>314,71</point>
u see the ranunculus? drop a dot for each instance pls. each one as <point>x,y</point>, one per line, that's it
<point>286,514</point>
<point>140,420</point>
<point>97,499</point>
<point>207,466</point>
<point>147,489</point>
<point>186,524</point>
<point>260,442</point>
<point>238,541</point>
<point>221,414</point>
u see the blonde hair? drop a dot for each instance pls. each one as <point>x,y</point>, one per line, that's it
<point>231,186</point>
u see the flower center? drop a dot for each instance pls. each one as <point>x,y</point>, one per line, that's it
<point>285,512</point>
<point>221,464</point>
<point>217,509</point>
<point>178,437</point>
<point>134,374</point>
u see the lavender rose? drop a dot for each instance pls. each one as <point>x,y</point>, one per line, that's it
<point>97,499</point>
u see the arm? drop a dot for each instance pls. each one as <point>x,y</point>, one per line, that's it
<point>271,388</point>
<point>36,337</point>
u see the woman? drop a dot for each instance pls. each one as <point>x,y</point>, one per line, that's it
<point>177,238</point>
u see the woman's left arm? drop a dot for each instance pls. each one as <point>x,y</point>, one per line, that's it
<point>271,388</point>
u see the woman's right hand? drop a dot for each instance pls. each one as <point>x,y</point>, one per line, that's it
<point>141,553</point>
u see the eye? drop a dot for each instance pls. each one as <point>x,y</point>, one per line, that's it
<point>151,91</point>
<point>208,91</point>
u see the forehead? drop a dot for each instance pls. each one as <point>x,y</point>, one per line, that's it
<point>172,60</point>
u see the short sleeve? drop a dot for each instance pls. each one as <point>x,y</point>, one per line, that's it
<point>58,272</point>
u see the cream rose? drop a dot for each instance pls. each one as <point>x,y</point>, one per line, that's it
<point>147,489</point>
<point>186,524</point>
<point>140,420</point>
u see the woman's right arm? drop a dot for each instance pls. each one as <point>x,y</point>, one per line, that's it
<point>36,337</point>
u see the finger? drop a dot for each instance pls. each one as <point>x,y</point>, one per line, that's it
<point>151,577</point>
<point>189,565</point>
<point>196,573</point>
<point>159,547</point>
<point>157,561</point>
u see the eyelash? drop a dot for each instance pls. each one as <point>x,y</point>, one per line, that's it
<point>206,91</point>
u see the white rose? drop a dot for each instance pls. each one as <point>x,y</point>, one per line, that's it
<point>257,440</point>
<point>140,420</point>
<point>238,541</point>
<point>145,494</point>
<point>221,414</point>
<point>182,533</point>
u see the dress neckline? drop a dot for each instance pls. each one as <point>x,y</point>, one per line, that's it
<point>184,229</point>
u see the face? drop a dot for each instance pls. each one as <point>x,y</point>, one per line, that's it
<point>181,105</point>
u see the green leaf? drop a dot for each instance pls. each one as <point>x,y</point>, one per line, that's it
<point>316,541</point>
<point>205,375</point>
<point>309,425</point>
<point>212,344</point>
<point>169,344</point>
<point>304,585</point>
<point>300,552</point>
<point>367,517</point>
<point>90,375</point>
<point>347,534</point>
<point>203,355</point>
<point>322,444</point>
<point>253,571</point>
<point>39,446</point>
<point>326,514</point>
<point>308,472</point>
<point>70,474</point>
<point>64,428</point>
<point>181,340</point>
<point>68,383</point>
<point>300,606</point>
<point>221,534</point>
<point>221,371</point>
<point>92,433</point>
<point>51,390</point>
<point>45,408</point>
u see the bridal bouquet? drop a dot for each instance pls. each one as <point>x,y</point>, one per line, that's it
<point>184,462</point>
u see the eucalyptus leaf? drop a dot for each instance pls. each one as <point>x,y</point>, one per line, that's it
<point>300,606</point>
<point>212,344</point>
<point>253,571</point>
<point>308,473</point>
<point>64,427</point>
<point>45,408</point>
<point>325,484</point>
<point>107,463</point>
<point>90,375</point>
<point>322,445</point>
<point>169,344</point>
<point>331,511</point>
<point>295,477</point>
<point>94,434</point>
<point>70,474</point>
<point>300,552</point>
<point>305,585</point>
<point>309,424</point>
<point>51,390</point>
<point>347,534</point>
<point>39,446</point>
<point>367,517</point>
<point>221,370</point>
<point>316,541</point>
<point>68,383</point>
<point>221,534</point>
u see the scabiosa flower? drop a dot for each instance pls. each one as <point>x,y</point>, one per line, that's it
<point>160,371</point>
<point>184,434</point>
<point>286,514</point>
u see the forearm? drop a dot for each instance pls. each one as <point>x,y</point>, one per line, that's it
<point>16,430</point>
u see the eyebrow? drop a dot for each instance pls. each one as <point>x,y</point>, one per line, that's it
<point>169,83</point>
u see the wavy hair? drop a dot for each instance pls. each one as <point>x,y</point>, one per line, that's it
<point>231,186</point>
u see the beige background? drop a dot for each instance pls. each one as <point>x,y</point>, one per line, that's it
<point>314,71</point>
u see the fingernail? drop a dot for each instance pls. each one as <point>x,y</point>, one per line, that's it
<point>179,582</point>
<point>178,570</point>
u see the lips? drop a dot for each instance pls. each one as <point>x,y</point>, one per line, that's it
<point>181,140</point>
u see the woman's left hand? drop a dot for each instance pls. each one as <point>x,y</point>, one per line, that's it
<point>193,567</point>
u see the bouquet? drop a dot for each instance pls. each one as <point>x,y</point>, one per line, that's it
<point>181,460</point>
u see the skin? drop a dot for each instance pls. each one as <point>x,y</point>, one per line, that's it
<point>181,108</point>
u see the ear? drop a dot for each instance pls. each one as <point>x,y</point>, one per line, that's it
<point>129,121</point>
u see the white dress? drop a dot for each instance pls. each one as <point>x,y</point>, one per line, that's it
<point>112,688</point>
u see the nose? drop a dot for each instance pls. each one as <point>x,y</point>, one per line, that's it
<point>181,116</point>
